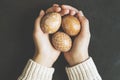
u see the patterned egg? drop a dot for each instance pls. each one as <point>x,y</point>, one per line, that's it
<point>51,22</point>
<point>61,41</point>
<point>71,25</point>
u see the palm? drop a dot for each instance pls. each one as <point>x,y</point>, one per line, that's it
<point>42,42</point>
<point>44,45</point>
<point>79,48</point>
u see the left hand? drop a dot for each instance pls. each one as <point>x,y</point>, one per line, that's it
<point>45,53</point>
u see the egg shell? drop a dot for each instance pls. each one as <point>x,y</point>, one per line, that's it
<point>61,41</point>
<point>71,25</point>
<point>51,22</point>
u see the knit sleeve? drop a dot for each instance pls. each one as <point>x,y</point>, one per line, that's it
<point>35,71</point>
<point>83,71</point>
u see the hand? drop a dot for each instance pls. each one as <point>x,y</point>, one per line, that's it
<point>45,54</point>
<point>79,51</point>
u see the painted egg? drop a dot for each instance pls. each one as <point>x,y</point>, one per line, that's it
<point>71,25</point>
<point>61,41</point>
<point>51,22</point>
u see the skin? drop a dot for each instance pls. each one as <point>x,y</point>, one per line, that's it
<point>46,55</point>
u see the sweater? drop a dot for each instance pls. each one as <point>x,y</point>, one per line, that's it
<point>83,71</point>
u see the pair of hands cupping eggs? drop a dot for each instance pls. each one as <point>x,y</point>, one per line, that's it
<point>61,40</point>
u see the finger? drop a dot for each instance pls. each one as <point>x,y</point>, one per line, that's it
<point>84,24</point>
<point>69,7</point>
<point>55,5</point>
<point>38,20</point>
<point>53,9</point>
<point>64,12</point>
<point>72,12</point>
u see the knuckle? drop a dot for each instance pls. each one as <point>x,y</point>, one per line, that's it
<point>85,20</point>
<point>54,8</point>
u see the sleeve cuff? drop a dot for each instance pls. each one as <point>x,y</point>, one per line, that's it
<point>35,71</point>
<point>83,71</point>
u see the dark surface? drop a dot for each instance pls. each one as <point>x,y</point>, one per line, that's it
<point>16,43</point>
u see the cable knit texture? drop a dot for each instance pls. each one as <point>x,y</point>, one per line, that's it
<point>35,71</point>
<point>84,71</point>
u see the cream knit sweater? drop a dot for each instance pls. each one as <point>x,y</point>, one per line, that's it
<point>83,71</point>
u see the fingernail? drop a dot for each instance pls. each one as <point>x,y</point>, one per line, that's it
<point>58,9</point>
<point>63,6</point>
<point>81,13</point>
<point>41,12</point>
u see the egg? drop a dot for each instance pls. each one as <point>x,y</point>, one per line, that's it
<point>61,41</point>
<point>51,22</point>
<point>71,25</point>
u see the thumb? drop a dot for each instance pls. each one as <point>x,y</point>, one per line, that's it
<point>38,20</point>
<point>84,24</point>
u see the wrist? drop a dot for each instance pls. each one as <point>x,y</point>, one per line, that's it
<point>78,59</point>
<point>44,60</point>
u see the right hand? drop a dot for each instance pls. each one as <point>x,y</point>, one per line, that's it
<point>79,50</point>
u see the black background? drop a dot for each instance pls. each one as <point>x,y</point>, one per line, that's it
<point>16,43</point>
